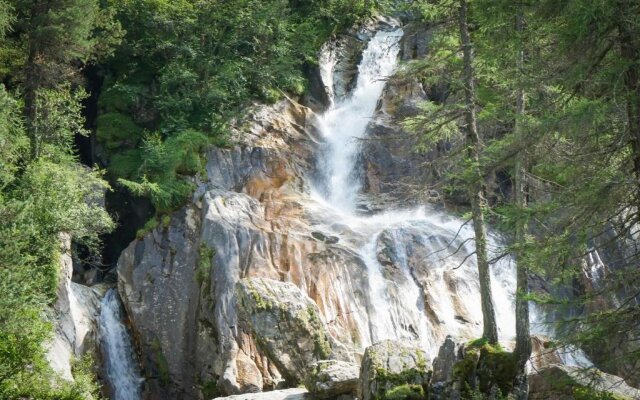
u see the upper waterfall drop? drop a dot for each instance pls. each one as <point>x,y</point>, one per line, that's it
<point>345,123</point>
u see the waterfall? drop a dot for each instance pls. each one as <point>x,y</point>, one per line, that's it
<point>422,284</point>
<point>118,351</point>
<point>345,123</point>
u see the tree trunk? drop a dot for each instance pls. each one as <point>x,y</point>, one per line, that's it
<point>476,188</point>
<point>630,52</point>
<point>33,73</point>
<point>523,336</point>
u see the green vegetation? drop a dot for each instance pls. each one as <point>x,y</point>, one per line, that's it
<point>205,262</point>
<point>321,344</point>
<point>210,390</point>
<point>175,75</point>
<point>557,102</point>
<point>185,69</point>
<point>43,190</point>
<point>405,392</point>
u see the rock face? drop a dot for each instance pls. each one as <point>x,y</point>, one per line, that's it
<point>286,324</point>
<point>246,220</point>
<point>253,216</point>
<point>561,382</point>
<point>390,368</point>
<point>330,379</point>
<point>75,317</point>
<point>443,369</point>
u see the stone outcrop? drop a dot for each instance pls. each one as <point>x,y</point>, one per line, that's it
<point>330,379</point>
<point>157,283</point>
<point>74,316</point>
<point>392,368</point>
<point>443,370</point>
<point>246,220</point>
<point>561,382</point>
<point>286,325</point>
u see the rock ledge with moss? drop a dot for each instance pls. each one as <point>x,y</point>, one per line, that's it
<point>286,325</point>
<point>394,370</point>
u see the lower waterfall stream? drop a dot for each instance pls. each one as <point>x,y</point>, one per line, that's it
<point>118,352</point>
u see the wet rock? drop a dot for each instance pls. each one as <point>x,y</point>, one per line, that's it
<point>288,394</point>
<point>445,360</point>
<point>561,382</point>
<point>330,378</point>
<point>332,240</point>
<point>392,368</point>
<point>286,323</point>
<point>319,236</point>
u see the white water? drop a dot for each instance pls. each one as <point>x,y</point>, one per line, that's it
<point>344,124</point>
<point>417,239</point>
<point>118,352</point>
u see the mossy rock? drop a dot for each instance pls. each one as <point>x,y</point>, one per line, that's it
<point>286,324</point>
<point>394,370</point>
<point>485,367</point>
<point>405,392</point>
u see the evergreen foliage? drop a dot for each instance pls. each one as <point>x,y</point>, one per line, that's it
<point>176,74</point>
<point>575,142</point>
<point>191,66</point>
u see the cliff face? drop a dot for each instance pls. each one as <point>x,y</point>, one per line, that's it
<point>253,216</point>
<point>257,276</point>
<point>74,317</point>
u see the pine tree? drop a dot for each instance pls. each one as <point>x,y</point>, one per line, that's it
<point>476,187</point>
<point>523,336</point>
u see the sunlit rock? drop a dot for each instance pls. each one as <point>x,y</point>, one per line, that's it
<point>331,378</point>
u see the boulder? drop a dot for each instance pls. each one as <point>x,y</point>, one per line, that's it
<point>286,324</point>
<point>483,367</point>
<point>288,394</point>
<point>562,382</point>
<point>443,367</point>
<point>329,379</point>
<point>393,369</point>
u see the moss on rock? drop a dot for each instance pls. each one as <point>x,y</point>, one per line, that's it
<point>484,367</point>
<point>286,325</point>
<point>405,392</point>
<point>393,369</point>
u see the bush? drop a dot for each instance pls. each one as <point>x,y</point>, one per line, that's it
<point>405,392</point>
<point>164,168</point>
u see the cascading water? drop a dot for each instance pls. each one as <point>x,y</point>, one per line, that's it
<point>118,351</point>
<point>395,245</point>
<point>345,123</point>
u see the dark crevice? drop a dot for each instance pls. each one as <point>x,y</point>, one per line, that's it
<point>129,212</point>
